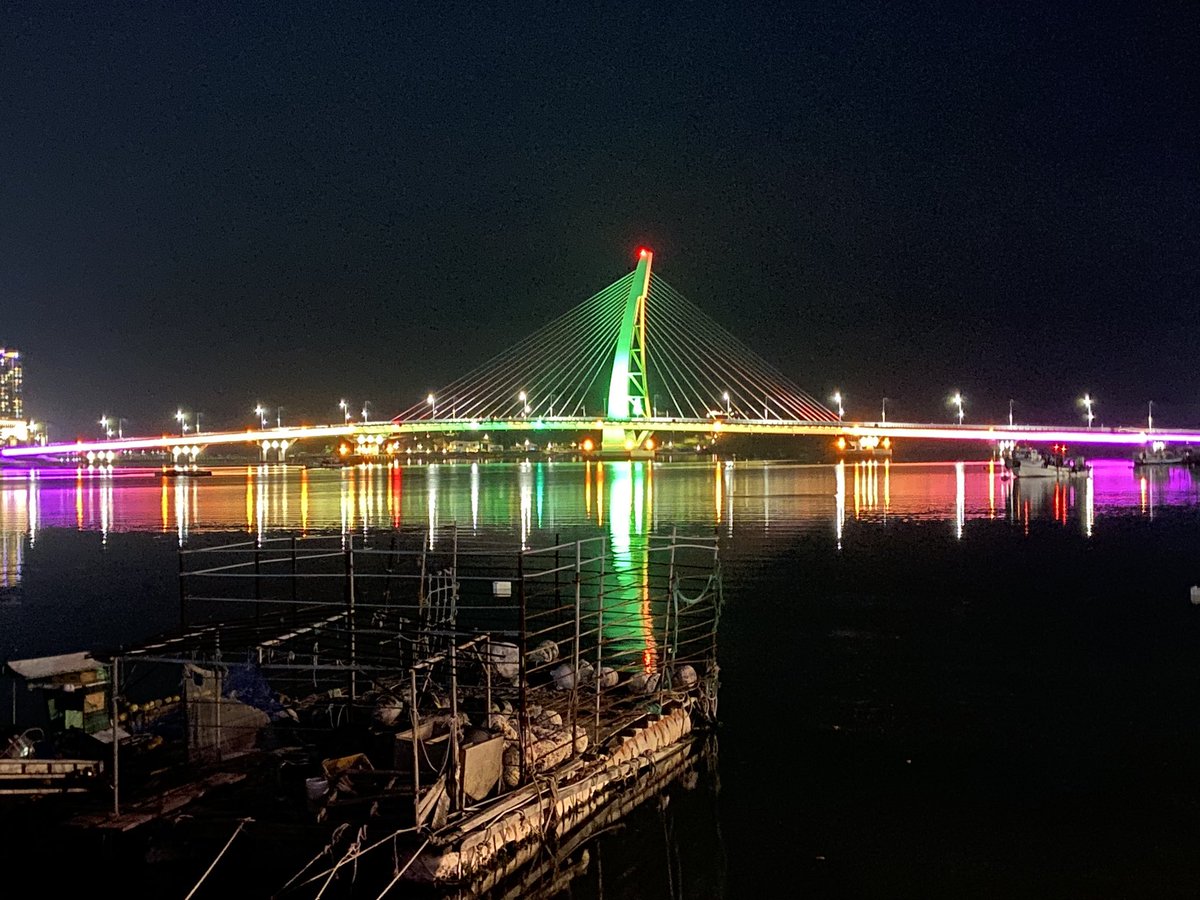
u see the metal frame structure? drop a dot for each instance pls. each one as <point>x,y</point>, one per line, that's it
<point>534,656</point>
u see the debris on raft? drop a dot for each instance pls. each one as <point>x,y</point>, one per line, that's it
<point>476,708</point>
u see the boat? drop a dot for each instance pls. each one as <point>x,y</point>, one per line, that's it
<point>1030,462</point>
<point>182,472</point>
<point>1161,454</point>
<point>326,463</point>
<point>67,755</point>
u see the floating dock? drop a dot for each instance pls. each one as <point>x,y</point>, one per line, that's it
<point>471,704</point>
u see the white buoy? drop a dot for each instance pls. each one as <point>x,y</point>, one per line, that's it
<point>642,683</point>
<point>544,653</point>
<point>564,675</point>
<point>504,659</point>
<point>685,676</point>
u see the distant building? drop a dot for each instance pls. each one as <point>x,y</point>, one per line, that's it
<point>12,406</point>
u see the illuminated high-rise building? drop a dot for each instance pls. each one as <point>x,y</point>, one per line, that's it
<point>11,404</point>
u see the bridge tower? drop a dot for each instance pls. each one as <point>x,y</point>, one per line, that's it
<point>628,395</point>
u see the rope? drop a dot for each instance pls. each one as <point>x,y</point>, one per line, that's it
<point>351,854</point>
<point>333,839</point>
<point>677,594</point>
<point>213,864</point>
<point>400,874</point>
<point>362,852</point>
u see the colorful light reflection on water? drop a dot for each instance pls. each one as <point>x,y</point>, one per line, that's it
<point>539,496</point>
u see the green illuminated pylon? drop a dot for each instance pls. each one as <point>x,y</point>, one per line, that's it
<point>628,397</point>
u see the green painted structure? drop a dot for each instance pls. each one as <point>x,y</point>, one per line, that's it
<point>628,395</point>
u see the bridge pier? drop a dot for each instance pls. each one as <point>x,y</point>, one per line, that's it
<point>280,448</point>
<point>185,455</point>
<point>619,443</point>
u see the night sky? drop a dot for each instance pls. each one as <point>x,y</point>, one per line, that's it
<point>211,205</point>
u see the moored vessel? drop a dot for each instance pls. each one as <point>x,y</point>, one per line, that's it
<point>1030,462</point>
<point>1159,453</point>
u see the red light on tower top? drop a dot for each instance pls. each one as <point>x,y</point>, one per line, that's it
<point>643,252</point>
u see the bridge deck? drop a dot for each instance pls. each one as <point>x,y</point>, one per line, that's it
<point>1128,436</point>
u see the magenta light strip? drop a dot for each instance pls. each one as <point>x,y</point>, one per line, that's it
<point>166,442</point>
<point>1028,434</point>
<point>900,430</point>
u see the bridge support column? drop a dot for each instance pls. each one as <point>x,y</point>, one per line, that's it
<point>621,443</point>
<point>628,397</point>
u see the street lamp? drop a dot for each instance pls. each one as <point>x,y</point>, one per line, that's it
<point>197,423</point>
<point>261,412</point>
<point>432,401</point>
<point>345,410</point>
<point>837,398</point>
<point>883,411</point>
<point>725,397</point>
<point>279,417</point>
<point>1087,402</point>
<point>1010,414</point>
<point>108,433</point>
<point>524,398</point>
<point>957,400</point>
<point>181,418</point>
<point>1150,417</point>
<point>366,403</point>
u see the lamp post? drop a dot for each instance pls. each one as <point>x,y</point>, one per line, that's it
<point>1010,414</point>
<point>957,400</point>
<point>432,401</point>
<point>279,417</point>
<point>1087,402</point>
<point>366,405</point>
<point>345,410</point>
<point>1150,417</point>
<point>261,412</point>
<point>108,433</point>
<point>725,397</point>
<point>837,398</point>
<point>883,411</point>
<point>197,423</point>
<point>181,418</point>
<point>524,398</point>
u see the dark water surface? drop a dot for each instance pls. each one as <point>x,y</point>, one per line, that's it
<point>934,682</point>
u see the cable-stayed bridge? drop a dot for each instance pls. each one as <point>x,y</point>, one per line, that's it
<point>630,364</point>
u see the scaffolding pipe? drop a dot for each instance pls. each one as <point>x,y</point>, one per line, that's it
<point>599,634</point>
<point>666,672</point>
<point>350,625</point>
<point>116,744</point>
<point>522,713</point>
<point>575,655</point>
